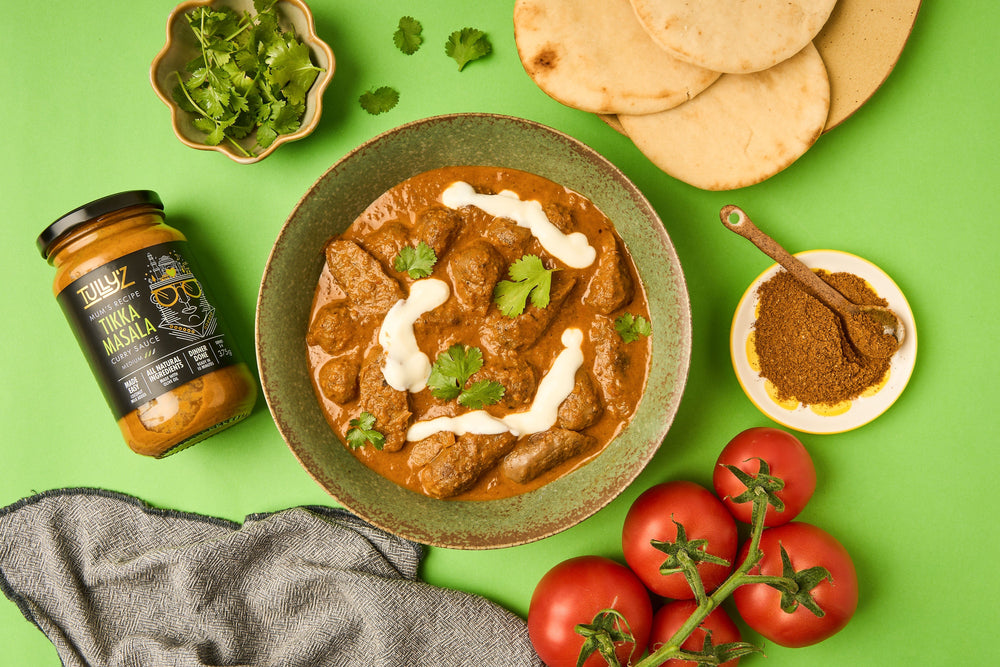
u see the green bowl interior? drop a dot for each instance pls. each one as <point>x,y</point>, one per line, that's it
<point>333,203</point>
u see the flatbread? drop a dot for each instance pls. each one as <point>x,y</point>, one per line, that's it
<point>743,129</point>
<point>596,57</point>
<point>733,36</point>
<point>860,44</point>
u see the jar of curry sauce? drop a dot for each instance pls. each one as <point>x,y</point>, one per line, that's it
<point>147,323</point>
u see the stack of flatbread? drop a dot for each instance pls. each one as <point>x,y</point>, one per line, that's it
<point>720,94</point>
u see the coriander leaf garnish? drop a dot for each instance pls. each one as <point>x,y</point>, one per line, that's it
<point>466,45</point>
<point>630,327</point>
<point>379,100</point>
<point>417,261</point>
<point>452,370</point>
<point>362,432</point>
<point>482,393</point>
<point>249,75</point>
<point>407,37</point>
<point>530,278</point>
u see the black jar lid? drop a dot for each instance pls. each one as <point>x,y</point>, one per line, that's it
<point>95,209</point>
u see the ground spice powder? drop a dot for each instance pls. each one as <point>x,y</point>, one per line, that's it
<point>801,344</point>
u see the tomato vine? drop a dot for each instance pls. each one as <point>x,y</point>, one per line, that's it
<point>764,477</point>
<point>708,602</point>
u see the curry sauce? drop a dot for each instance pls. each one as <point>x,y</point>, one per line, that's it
<point>360,290</point>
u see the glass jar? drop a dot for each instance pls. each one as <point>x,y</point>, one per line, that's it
<point>146,322</point>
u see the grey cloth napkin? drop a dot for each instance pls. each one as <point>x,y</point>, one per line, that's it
<point>111,580</point>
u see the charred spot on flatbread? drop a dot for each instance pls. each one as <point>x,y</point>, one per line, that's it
<point>596,57</point>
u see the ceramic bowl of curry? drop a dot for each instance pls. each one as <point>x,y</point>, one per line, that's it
<point>302,256</point>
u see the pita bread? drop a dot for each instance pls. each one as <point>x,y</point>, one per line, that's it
<point>860,44</point>
<point>743,129</point>
<point>595,56</point>
<point>733,36</point>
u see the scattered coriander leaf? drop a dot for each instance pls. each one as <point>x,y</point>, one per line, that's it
<point>417,261</point>
<point>530,278</point>
<point>379,100</point>
<point>630,327</point>
<point>466,45</point>
<point>407,37</point>
<point>482,393</point>
<point>362,432</point>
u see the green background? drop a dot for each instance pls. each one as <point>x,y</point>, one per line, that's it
<point>910,183</point>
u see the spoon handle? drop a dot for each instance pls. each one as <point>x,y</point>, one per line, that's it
<point>736,219</point>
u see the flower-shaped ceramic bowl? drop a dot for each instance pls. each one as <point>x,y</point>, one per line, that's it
<point>296,262</point>
<point>181,46</point>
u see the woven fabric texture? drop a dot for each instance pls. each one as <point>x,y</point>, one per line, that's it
<point>111,580</point>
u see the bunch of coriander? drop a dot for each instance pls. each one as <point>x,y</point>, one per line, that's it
<point>249,75</point>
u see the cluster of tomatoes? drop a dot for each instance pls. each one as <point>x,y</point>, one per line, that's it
<point>798,587</point>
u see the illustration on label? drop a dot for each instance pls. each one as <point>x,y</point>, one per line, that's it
<point>146,324</point>
<point>175,291</point>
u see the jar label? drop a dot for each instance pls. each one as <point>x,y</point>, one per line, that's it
<point>146,325</point>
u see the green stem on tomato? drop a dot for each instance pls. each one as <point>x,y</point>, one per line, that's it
<point>690,570</point>
<point>779,582</point>
<point>708,603</point>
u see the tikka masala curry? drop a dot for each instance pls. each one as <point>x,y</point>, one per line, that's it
<point>478,332</point>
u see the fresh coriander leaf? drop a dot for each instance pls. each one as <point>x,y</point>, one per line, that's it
<point>379,100</point>
<point>482,393</point>
<point>452,369</point>
<point>214,132</point>
<point>407,37</point>
<point>362,432</point>
<point>262,6</point>
<point>248,75</point>
<point>417,261</point>
<point>630,327</point>
<point>291,69</point>
<point>466,45</point>
<point>530,279</point>
<point>284,118</point>
<point>443,386</point>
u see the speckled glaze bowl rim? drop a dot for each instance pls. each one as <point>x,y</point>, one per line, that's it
<point>471,524</point>
<point>314,98</point>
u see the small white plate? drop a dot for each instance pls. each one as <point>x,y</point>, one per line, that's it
<point>849,414</point>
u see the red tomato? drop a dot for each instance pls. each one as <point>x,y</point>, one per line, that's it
<point>573,592</point>
<point>786,458</point>
<point>703,517</point>
<point>673,615</point>
<point>807,546</point>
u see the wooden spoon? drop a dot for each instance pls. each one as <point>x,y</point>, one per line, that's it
<point>875,332</point>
